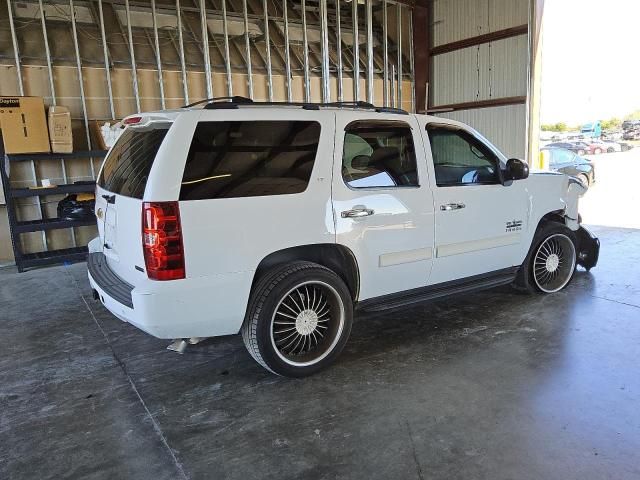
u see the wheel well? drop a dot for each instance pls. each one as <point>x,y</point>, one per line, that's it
<point>555,216</point>
<point>337,258</point>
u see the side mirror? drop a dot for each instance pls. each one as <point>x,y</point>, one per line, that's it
<point>516,170</point>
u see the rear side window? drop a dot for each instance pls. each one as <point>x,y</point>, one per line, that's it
<point>249,159</point>
<point>129,162</point>
<point>379,156</point>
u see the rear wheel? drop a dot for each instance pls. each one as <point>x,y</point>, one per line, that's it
<point>551,261</point>
<point>581,152</point>
<point>299,319</point>
<point>611,150</point>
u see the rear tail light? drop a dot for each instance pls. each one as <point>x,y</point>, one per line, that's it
<point>162,240</point>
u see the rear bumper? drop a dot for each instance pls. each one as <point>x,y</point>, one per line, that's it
<point>589,248</point>
<point>199,307</point>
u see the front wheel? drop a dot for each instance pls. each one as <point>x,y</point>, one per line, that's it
<point>551,261</point>
<point>299,319</point>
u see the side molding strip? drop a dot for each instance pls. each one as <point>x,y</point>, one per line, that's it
<point>407,256</point>
<point>474,245</point>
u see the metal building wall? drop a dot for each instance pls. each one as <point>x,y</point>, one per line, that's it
<point>484,84</point>
<point>112,58</point>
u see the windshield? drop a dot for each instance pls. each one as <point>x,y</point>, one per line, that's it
<point>127,166</point>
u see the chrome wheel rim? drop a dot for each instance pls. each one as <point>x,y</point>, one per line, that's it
<point>554,263</point>
<point>307,323</point>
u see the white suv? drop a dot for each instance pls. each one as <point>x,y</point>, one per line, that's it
<point>281,220</point>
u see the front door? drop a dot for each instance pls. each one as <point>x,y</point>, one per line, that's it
<point>479,220</point>
<point>382,205</point>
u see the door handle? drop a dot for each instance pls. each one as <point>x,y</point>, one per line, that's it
<point>452,206</point>
<point>357,213</point>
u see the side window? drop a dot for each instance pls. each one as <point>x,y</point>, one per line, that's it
<point>461,159</point>
<point>249,159</point>
<point>379,155</point>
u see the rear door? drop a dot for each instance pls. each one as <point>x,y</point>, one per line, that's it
<point>383,208</point>
<point>120,189</point>
<point>479,220</point>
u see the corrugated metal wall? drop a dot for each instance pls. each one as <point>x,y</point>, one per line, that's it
<point>489,71</point>
<point>504,126</point>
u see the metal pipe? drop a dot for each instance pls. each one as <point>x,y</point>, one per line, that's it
<point>393,85</point>
<point>369,20</point>
<point>385,55</point>
<point>412,63</point>
<point>183,67</point>
<point>305,44</point>
<point>247,46</point>
<point>52,87</point>
<point>268,50</point>
<point>287,53</point>
<point>356,51</point>
<point>157,47</point>
<point>105,53</point>
<point>399,47</point>
<point>85,116</point>
<point>16,52</point>
<point>205,48</point>
<point>227,58</point>
<point>339,51</point>
<point>326,87</point>
<point>134,72</point>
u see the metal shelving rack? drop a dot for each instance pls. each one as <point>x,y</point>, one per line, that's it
<point>18,227</point>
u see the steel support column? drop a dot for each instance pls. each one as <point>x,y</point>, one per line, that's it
<point>287,53</point>
<point>356,51</point>
<point>156,41</point>
<point>227,57</point>
<point>421,54</point>
<point>43,22</point>
<point>369,20</point>
<point>326,87</point>
<point>107,67</point>
<point>247,46</point>
<point>205,48</point>
<point>183,67</point>
<point>268,50</point>
<point>339,51</point>
<point>16,51</point>
<point>134,72</point>
<point>305,46</point>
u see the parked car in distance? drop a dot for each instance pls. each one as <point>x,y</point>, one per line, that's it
<point>580,149</point>
<point>280,221</point>
<point>629,124</point>
<point>607,146</point>
<point>632,133</point>
<point>567,162</point>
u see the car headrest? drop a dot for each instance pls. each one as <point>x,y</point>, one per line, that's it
<point>360,162</point>
<point>384,155</point>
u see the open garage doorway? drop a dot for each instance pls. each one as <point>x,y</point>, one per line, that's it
<point>590,105</point>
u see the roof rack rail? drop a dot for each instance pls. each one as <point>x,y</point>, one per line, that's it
<point>234,102</point>
<point>236,99</point>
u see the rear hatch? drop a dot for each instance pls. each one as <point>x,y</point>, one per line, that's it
<point>119,193</point>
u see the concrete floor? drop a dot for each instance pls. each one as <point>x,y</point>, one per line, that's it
<point>496,385</point>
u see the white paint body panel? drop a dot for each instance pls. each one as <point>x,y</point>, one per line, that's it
<point>407,243</point>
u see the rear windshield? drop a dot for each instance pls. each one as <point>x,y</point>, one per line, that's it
<point>129,162</point>
<point>249,159</point>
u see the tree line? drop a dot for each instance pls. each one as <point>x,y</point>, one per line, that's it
<point>610,124</point>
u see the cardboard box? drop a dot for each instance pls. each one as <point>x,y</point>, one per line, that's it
<point>60,130</point>
<point>105,133</point>
<point>24,125</point>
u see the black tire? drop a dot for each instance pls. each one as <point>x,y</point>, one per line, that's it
<point>584,178</point>
<point>581,152</point>
<point>526,280</point>
<point>611,150</point>
<point>271,346</point>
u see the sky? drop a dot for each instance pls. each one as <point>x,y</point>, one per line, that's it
<point>590,60</point>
